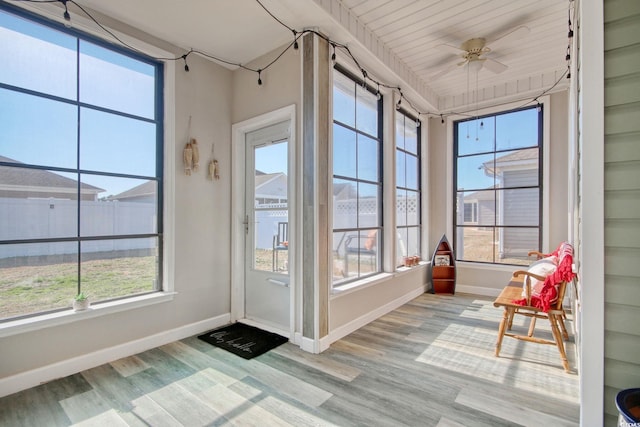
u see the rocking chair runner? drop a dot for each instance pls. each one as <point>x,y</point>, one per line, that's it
<point>538,307</point>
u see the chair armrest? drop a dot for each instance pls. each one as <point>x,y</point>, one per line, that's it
<point>527,282</point>
<point>526,273</point>
<point>539,255</point>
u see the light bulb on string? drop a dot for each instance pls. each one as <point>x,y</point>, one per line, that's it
<point>66,15</point>
<point>259,77</point>
<point>184,58</point>
<point>295,39</point>
<point>333,55</point>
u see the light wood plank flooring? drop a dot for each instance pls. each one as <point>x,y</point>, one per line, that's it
<point>429,363</point>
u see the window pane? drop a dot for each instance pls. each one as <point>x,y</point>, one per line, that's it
<point>413,208</point>
<point>51,140</point>
<point>401,207</point>
<point>517,129</point>
<point>413,241</point>
<point>518,168</point>
<point>485,207</point>
<point>476,244</point>
<point>36,277</point>
<point>368,205</point>
<point>116,268</point>
<point>126,206</point>
<point>412,172</point>
<point>400,130</point>
<point>345,204</point>
<point>116,144</point>
<point>344,152</point>
<point>36,57</point>
<point>520,207</point>
<point>366,111</point>
<point>37,204</point>
<point>368,162</point>
<point>401,170</point>
<point>411,136</point>
<point>515,243</point>
<point>476,136</point>
<point>344,103</point>
<point>368,252</point>
<point>475,172</point>
<point>402,242</point>
<point>111,80</point>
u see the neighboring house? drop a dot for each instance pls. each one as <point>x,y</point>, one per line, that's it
<point>270,188</point>
<point>24,183</point>
<point>143,193</point>
<point>512,205</point>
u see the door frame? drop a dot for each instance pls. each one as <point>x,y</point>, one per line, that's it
<point>238,154</point>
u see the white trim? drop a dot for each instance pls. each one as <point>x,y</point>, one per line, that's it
<point>25,380</point>
<point>57,318</point>
<point>238,152</point>
<point>369,317</point>
<point>592,278</point>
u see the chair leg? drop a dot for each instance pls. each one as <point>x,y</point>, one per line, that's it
<point>510,321</point>
<point>553,319</point>
<point>508,314</point>
<point>532,326</point>
<point>563,328</point>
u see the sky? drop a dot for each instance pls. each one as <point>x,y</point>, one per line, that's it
<point>109,142</point>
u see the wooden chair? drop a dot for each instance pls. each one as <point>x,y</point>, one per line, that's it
<point>513,292</point>
<point>280,243</point>
<point>555,314</point>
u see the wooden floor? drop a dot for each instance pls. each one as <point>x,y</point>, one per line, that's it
<point>428,363</point>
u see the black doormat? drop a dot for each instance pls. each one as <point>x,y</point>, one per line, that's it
<point>243,340</point>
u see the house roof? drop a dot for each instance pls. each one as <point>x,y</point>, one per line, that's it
<point>263,178</point>
<point>27,177</point>
<point>146,189</point>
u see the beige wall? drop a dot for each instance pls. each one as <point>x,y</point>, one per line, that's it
<point>485,279</point>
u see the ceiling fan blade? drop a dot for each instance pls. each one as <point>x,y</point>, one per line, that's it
<point>494,66</point>
<point>514,34</point>
<point>446,70</point>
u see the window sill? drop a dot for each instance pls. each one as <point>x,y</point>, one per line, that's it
<point>35,323</point>
<point>359,285</point>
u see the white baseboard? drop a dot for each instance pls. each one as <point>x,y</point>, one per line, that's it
<point>25,380</point>
<point>361,321</point>
<point>478,290</point>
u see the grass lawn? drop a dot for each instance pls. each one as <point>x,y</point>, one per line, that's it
<point>32,289</point>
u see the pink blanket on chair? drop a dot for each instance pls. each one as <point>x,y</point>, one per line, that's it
<point>563,273</point>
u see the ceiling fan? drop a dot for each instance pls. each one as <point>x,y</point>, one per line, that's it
<point>473,52</point>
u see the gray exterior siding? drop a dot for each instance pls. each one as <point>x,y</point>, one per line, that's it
<point>622,200</point>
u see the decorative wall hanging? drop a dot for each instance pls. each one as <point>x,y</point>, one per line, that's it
<point>191,153</point>
<point>187,157</point>
<point>213,169</point>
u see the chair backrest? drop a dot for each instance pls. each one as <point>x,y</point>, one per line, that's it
<point>283,232</point>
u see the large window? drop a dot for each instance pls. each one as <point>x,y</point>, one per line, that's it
<point>498,186</point>
<point>80,168</point>
<point>407,187</point>
<point>357,180</point>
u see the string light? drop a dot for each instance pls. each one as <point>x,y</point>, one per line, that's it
<point>184,57</point>
<point>297,34</point>
<point>65,15</point>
